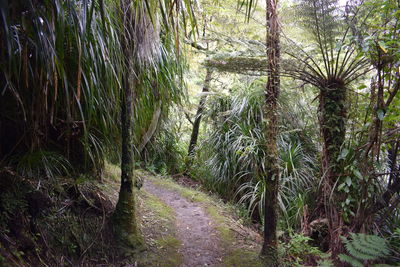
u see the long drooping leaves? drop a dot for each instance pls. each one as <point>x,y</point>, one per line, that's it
<point>157,63</point>
<point>61,65</point>
<point>61,84</point>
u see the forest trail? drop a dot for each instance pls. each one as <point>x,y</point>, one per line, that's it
<point>187,227</point>
<point>199,241</point>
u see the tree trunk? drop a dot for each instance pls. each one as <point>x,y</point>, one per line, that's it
<point>270,246</point>
<point>124,217</point>
<point>199,113</point>
<point>375,133</point>
<point>332,120</point>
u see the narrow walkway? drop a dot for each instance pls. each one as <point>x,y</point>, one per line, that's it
<point>194,228</point>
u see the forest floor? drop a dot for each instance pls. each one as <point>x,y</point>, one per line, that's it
<point>183,226</point>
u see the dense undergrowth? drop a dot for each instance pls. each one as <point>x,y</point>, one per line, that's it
<point>233,153</point>
<point>47,222</point>
<point>68,223</point>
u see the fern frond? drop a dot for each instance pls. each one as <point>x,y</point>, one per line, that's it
<point>367,247</point>
<point>350,260</point>
<point>325,263</point>
<point>362,247</point>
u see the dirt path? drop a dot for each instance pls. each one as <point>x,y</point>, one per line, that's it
<point>194,228</point>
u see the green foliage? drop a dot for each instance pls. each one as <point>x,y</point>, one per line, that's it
<point>325,262</point>
<point>331,59</point>
<point>295,185</point>
<point>394,241</point>
<point>233,148</point>
<point>297,251</point>
<point>61,63</point>
<point>362,248</point>
<point>297,181</point>
<point>41,162</point>
<point>165,153</point>
<point>234,153</point>
<point>351,182</point>
<point>378,34</point>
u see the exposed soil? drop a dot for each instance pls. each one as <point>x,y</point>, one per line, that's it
<point>200,242</point>
<point>186,181</point>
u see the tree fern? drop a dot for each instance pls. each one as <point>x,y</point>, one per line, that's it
<point>362,247</point>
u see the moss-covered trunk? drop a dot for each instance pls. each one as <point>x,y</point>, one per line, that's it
<point>332,118</point>
<point>271,173</point>
<point>124,218</point>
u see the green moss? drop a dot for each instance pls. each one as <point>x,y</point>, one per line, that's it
<point>241,258</point>
<point>224,231</point>
<point>233,256</point>
<point>161,209</point>
<point>125,221</point>
<point>168,241</point>
<point>164,255</point>
<point>170,246</point>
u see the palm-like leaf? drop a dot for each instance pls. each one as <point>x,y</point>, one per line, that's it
<point>333,57</point>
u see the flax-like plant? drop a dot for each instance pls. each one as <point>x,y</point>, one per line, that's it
<point>296,184</point>
<point>234,139</point>
<point>59,77</point>
<point>234,154</point>
<point>61,65</point>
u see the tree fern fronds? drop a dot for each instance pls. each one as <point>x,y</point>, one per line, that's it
<point>363,247</point>
<point>368,246</point>
<point>350,260</point>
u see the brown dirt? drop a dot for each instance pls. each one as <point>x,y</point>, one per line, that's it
<point>200,244</point>
<point>186,181</point>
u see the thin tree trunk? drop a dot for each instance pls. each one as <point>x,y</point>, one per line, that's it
<point>376,129</point>
<point>199,113</point>
<point>270,246</point>
<point>124,217</point>
<point>393,186</point>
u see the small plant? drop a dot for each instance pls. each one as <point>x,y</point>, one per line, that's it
<point>298,251</point>
<point>363,248</point>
